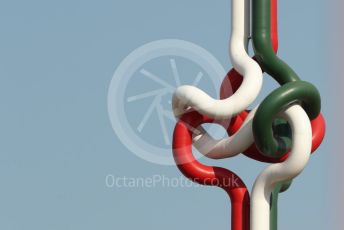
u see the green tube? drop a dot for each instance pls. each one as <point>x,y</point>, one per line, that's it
<point>264,53</point>
<point>283,131</point>
<point>292,90</point>
<point>299,92</point>
<point>279,188</point>
<point>282,128</point>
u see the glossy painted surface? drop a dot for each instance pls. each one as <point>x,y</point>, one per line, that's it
<point>190,96</point>
<point>209,175</point>
<point>292,89</point>
<point>250,132</point>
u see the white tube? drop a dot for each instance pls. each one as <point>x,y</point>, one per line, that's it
<point>227,147</point>
<point>293,166</point>
<point>189,96</point>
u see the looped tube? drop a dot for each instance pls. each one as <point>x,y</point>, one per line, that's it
<point>209,175</point>
<point>280,172</point>
<point>292,91</point>
<point>189,96</point>
<point>282,130</point>
<point>233,80</point>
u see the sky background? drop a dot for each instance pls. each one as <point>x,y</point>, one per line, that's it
<point>57,145</point>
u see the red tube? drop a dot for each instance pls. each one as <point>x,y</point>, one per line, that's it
<point>220,177</point>
<point>210,175</point>
<point>274,27</point>
<point>235,79</point>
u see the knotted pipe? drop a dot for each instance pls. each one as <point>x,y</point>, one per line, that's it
<point>209,175</point>
<point>292,90</point>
